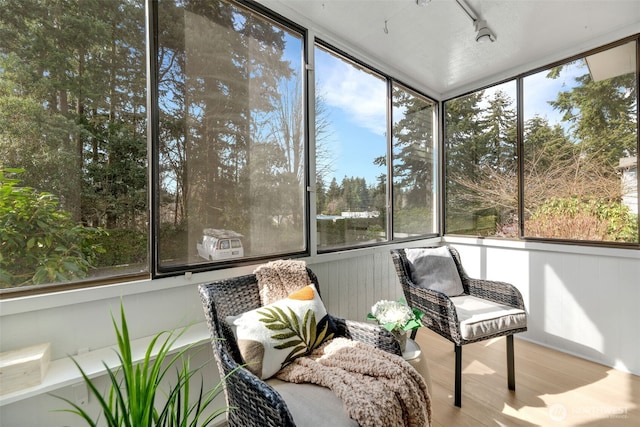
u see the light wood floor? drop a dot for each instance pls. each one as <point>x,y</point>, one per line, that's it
<point>552,388</point>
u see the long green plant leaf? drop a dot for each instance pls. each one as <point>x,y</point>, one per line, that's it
<point>135,388</point>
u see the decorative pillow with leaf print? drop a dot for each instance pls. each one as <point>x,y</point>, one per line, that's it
<point>272,336</point>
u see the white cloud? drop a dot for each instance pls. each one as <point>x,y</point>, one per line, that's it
<point>361,96</point>
<point>540,89</point>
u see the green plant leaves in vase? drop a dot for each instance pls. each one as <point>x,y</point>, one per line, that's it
<point>302,336</point>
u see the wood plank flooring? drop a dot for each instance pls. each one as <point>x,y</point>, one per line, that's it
<point>552,388</point>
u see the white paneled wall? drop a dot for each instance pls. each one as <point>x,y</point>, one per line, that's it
<point>350,286</point>
<point>581,300</point>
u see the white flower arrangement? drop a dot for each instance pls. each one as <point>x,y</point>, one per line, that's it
<point>395,315</point>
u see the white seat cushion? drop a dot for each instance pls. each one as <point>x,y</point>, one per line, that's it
<point>482,318</point>
<point>312,405</point>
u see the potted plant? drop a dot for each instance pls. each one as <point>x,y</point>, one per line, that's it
<point>135,396</point>
<point>396,317</point>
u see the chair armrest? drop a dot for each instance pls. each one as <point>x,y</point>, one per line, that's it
<point>252,402</point>
<point>439,312</point>
<point>499,292</point>
<point>368,333</point>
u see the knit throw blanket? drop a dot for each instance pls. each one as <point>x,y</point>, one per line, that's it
<point>278,279</point>
<point>377,388</point>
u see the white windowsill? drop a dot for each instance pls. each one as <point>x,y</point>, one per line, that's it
<point>63,372</point>
<point>547,247</point>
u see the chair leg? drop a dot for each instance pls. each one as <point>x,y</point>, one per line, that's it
<point>511,375</point>
<point>458,384</point>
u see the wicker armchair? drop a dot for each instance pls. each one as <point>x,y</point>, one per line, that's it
<point>442,316</point>
<point>253,402</point>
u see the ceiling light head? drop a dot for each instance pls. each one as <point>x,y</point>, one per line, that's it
<point>423,2</point>
<point>483,33</point>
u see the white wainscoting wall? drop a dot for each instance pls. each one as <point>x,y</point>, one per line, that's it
<point>581,300</point>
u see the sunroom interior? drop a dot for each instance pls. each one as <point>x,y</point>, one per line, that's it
<point>329,131</point>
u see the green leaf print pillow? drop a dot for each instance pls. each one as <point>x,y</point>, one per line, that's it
<point>272,336</point>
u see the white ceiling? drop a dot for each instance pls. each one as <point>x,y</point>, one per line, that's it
<point>433,48</point>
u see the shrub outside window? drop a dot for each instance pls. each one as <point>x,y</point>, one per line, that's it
<point>73,143</point>
<point>580,149</point>
<point>481,181</point>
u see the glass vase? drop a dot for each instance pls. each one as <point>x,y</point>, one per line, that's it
<point>401,336</point>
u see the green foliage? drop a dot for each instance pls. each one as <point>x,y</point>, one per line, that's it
<point>482,222</point>
<point>573,218</point>
<point>174,241</point>
<point>72,114</point>
<point>39,242</point>
<point>303,335</point>
<point>122,246</point>
<point>601,114</point>
<point>133,399</point>
<point>348,230</point>
<point>413,221</point>
<point>375,232</point>
<point>480,161</point>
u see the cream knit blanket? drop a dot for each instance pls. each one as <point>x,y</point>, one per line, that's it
<point>377,388</point>
<point>278,279</point>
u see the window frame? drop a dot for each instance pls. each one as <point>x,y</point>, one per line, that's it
<point>390,82</point>
<point>435,173</point>
<point>156,269</point>
<point>308,85</point>
<point>520,121</point>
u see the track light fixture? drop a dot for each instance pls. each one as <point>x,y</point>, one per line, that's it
<point>483,32</point>
<point>423,2</point>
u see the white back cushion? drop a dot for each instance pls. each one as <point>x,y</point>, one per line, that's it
<point>434,268</point>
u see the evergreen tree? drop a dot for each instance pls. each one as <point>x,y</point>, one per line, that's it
<point>72,106</point>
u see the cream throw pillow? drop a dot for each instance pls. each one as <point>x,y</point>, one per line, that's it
<point>434,268</point>
<point>272,336</point>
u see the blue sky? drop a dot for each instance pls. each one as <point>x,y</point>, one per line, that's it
<point>539,90</point>
<point>356,105</point>
<point>356,108</point>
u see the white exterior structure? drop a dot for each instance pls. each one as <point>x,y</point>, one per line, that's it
<point>363,214</point>
<point>629,168</point>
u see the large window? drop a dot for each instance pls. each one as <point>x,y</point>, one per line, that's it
<point>351,151</point>
<point>232,158</point>
<point>481,166</point>
<point>414,164</point>
<point>576,178</point>
<point>580,149</point>
<point>354,151</point>
<point>551,154</point>
<point>73,144</point>
<point>228,165</point>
